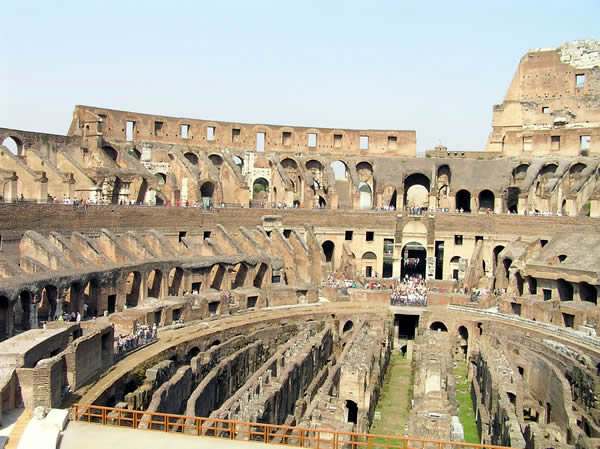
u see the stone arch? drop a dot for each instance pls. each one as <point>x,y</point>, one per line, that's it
<point>497,250</point>
<point>416,190</point>
<point>74,297</point>
<point>110,152</point>
<point>314,166</point>
<point>14,145</point>
<point>259,279</point>
<point>369,261</point>
<point>565,290</point>
<point>260,189</point>
<point>366,196</point>
<point>507,263</point>
<point>519,280</point>
<point>241,273</point>
<point>588,292</point>
<point>512,199</point>
<point>486,200</point>
<point>322,201</point>
<point>237,160</point>
<point>132,288</point>
<point>116,190</point>
<point>329,251</point>
<point>348,325</point>
<point>175,281</point>
<point>444,178</point>
<point>576,169</point>
<point>520,172</point>
<point>207,190</point>
<point>340,170</point>
<point>216,159</point>
<point>438,326</point>
<point>154,282</point>
<point>48,303</point>
<point>549,170</point>
<point>463,341</point>
<point>161,177</point>
<point>463,200</point>
<point>191,157</point>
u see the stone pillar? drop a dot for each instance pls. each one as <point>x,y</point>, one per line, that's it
<point>10,189</point>
<point>595,208</point>
<point>43,195</point>
<point>498,205</point>
<point>400,199</point>
<point>474,204</point>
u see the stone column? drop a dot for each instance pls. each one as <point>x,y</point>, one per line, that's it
<point>10,188</point>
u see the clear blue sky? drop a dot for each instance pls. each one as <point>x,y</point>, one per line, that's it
<point>436,67</point>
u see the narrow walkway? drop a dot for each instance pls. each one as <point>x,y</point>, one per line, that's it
<point>394,401</point>
<point>95,436</point>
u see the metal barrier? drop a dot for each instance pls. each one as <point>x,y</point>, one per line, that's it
<point>256,432</point>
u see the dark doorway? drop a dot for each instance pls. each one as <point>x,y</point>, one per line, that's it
<point>112,302</point>
<point>414,258</point>
<point>352,409</point>
<point>407,325</point>
<point>463,200</point>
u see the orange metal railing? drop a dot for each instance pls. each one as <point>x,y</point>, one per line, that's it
<point>256,432</point>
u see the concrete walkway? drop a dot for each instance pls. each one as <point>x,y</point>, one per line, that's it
<point>96,436</point>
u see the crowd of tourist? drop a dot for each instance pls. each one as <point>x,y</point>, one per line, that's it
<point>140,337</point>
<point>410,291</point>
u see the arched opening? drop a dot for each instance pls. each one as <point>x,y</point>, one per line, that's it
<point>563,208</point>
<point>14,145</point>
<point>241,272</point>
<point>116,190</point>
<point>352,411</point>
<point>454,267</point>
<point>531,285</point>
<point>329,249</point>
<point>512,199</point>
<point>548,171</point>
<point>216,160</point>
<point>47,308</point>
<point>238,161</point>
<point>588,292</point>
<point>486,200</point>
<point>443,185</point>
<point>260,190</point>
<point>369,260</point>
<point>340,171</point>
<point>4,318</point>
<point>110,152</point>
<point>192,353</point>
<point>322,202</point>
<point>207,190</point>
<point>74,298</point>
<point>347,326</point>
<point>520,172</point>
<point>89,297</point>
<point>260,276</point>
<point>175,281</point>
<point>214,343</point>
<point>416,191</point>
<point>132,289</point>
<point>161,177</point>
<point>154,283</point>
<point>519,280</point>
<point>438,326</point>
<point>135,153</point>
<point>565,290</point>
<point>463,201</point>
<point>497,250</point>
<point>23,311</point>
<point>507,263</point>
<point>366,196</point>
<point>192,158</point>
<point>463,341</point>
<point>414,257</point>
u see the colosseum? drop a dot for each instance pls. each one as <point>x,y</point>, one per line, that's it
<point>307,286</point>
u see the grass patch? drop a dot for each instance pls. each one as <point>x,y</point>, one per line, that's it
<point>465,403</point>
<point>394,401</point>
